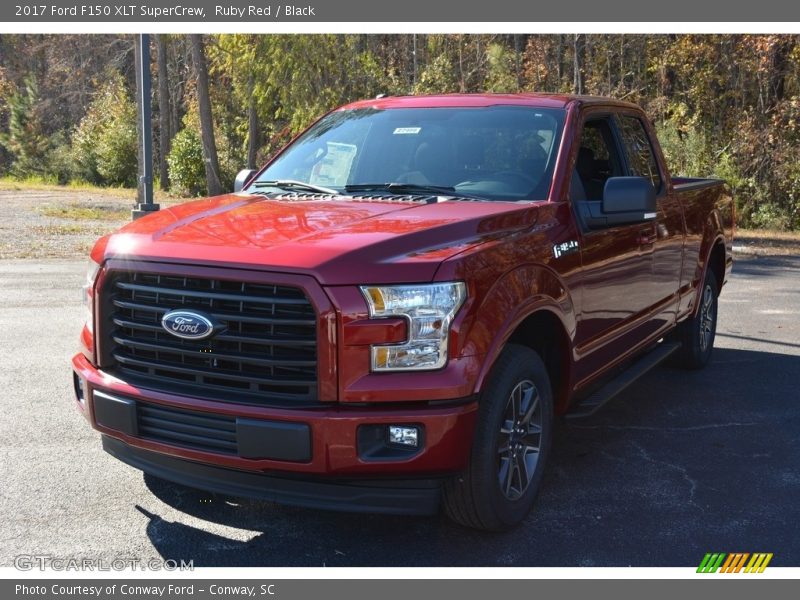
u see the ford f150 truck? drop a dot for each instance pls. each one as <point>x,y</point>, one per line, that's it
<point>388,316</point>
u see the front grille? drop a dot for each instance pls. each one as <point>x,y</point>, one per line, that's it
<point>265,353</point>
<point>188,428</point>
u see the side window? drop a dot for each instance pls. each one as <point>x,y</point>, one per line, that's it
<point>641,161</point>
<point>597,160</point>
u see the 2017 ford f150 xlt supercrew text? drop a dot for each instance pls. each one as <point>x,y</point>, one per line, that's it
<point>390,314</point>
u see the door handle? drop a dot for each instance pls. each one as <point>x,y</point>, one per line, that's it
<point>647,237</point>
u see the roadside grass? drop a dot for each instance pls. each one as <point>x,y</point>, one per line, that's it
<point>767,234</point>
<point>112,204</point>
<point>767,242</point>
<point>68,229</point>
<point>45,184</point>
<point>83,212</point>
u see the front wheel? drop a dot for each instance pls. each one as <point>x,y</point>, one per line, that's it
<point>697,334</point>
<point>510,448</point>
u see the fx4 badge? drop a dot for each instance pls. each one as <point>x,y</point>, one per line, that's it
<point>565,248</point>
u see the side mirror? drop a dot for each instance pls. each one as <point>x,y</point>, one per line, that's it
<point>628,200</point>
<point>242,178</point>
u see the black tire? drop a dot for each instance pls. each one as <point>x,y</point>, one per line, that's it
<point>697,334</point>
<point>475,498</point>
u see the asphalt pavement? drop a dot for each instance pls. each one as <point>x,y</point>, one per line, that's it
<point>680,464</point>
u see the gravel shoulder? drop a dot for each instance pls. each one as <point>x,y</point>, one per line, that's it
<point>60,222</point>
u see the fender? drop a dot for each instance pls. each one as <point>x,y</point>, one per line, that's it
<point>713,233</point>
<point>513,298</point>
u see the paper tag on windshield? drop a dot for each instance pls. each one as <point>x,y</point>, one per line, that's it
<point>334,168</point>
<point>407,130</point>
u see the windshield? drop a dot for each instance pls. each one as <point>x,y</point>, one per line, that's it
<point>492,153</point>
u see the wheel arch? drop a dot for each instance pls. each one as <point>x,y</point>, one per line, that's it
<point>715,261</point>
<point>543,332</point>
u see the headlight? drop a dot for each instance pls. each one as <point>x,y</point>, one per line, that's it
<point>429,309</point>
<point>87,293</point>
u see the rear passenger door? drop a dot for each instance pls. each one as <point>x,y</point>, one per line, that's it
<point>667,235</point>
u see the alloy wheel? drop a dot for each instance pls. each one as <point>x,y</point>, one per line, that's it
<point>706,318</point>
<point>520,440</point>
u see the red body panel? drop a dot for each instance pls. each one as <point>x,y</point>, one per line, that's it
<point>623,290</point>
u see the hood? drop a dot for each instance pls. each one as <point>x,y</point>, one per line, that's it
<point>337,241</point>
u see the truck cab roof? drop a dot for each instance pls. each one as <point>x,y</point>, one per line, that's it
<point>483,100</point>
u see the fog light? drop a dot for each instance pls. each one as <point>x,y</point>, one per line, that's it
<point>404,435</point>
<point>80,393</point>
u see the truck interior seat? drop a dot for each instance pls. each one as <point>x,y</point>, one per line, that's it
<point>432,164</point>
<point>593,173</point>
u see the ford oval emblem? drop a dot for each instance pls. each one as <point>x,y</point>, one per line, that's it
<point>188,324</point>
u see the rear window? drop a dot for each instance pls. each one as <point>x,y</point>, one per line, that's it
<point>497,153</point>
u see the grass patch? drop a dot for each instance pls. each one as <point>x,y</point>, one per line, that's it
<point>50,185</point>
<point>83,212</point>
<point>46,184</point>
<point>65,229</point>
<point>767,242</point>
<point>767,235</point>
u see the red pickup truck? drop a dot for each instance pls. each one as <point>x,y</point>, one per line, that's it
<point>389,315</point>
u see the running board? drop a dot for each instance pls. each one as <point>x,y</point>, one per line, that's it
<point>592,403</point>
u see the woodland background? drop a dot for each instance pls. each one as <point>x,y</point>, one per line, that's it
<point>724,105</point>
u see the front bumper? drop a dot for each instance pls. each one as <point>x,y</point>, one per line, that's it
<point>401,497</point>
<point>334,448</point>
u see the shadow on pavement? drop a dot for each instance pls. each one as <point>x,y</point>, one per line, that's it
<point>681,464</point>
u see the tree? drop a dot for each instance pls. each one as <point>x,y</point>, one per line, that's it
<point>105,142</point>
<point>501,71</point>
<point>211,162</point>
<point>578,59</point>
<point>164,129</point>
<point>233,59</point>
<point>26,140</point>
<point>252,125</point>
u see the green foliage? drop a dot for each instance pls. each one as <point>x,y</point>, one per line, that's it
<point>769,216</point>
<point>59,162</point>
<point>294,79</point>
<point>105,144</point>
<point>186,171</point>
<point>306,76</point>
<point>500,73</point>
<point>185,160</point>
<point>686,150</point>
<point>25,139</point>
<point>437,77</point>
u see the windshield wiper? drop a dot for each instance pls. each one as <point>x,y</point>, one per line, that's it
<point>400,187</point>
<point>291,184</point>
<point>410,188</point>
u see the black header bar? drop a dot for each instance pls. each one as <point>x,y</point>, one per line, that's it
<point>411,11</point>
